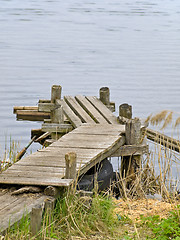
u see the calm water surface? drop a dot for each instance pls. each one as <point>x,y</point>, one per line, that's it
<point>133,47</point>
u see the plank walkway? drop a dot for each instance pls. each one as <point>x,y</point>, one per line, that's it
<point>91,143</point>
<point>96,136</point>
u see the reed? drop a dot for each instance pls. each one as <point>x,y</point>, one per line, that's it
<point>11,149</point>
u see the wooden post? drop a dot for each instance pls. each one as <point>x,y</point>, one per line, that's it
<point>55,93</point>
<point>130,164</point>
<point>57,115</point>
<point>125,110</point>
<point>133,132</point>
<point>104,95</point>
<point>70,159</point>
<point>36,218</point>
<point>49,207</point>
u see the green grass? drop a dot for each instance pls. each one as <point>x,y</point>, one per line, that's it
<point>76,217</point>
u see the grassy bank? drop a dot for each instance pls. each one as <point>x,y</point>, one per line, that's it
<point>101,217</point>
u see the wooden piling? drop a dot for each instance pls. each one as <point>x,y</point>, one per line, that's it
<point>125,110</point>
<point>130,164</point>
<point>36,218</point>
<point>104,95</point>
<point>55,93</point>
<point>70,159</point>
<point>57,115</point>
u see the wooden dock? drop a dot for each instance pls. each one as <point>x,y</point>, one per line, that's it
<point>84,125</point>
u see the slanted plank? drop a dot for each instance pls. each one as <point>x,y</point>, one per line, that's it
<point>106,113</point>
<point>104,154</point>
<point>71,116</point>
<point>90,109</point>
<point>78,110</point>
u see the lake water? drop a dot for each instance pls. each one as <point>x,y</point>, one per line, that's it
<point>133,47</point>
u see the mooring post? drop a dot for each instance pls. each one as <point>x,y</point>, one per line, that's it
<point>71,164</point>
<point>36,218</point>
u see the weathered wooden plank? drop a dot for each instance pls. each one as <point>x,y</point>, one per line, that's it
<point>10,173</point>
<point>72,117</point>
<point>105,112</point>
<point>100,129</point>
<point>104,154</point>
<point>54,127</point>
<point>129,150</point>
<point>90,109</point>
<point>78,110</point>
<point>162,139</point>
<point>32,115</point>
<point>6,202</point>
<point>81,144</point>
<point>10,203</point>
<point>46,107</point>
<point>16,212</point>
<point>29,108</point>
<point>45,166</point>
<point>43,181</point>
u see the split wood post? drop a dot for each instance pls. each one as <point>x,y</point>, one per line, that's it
<point>36,218</point>
<point>71,164</point>
<point>104,95</point>
<point>57,115</point>
<point>133,137</point>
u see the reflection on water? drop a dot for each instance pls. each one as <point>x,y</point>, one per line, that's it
<point>130,46</point>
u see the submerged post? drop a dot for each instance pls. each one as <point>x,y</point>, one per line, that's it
<point>70,159</point>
